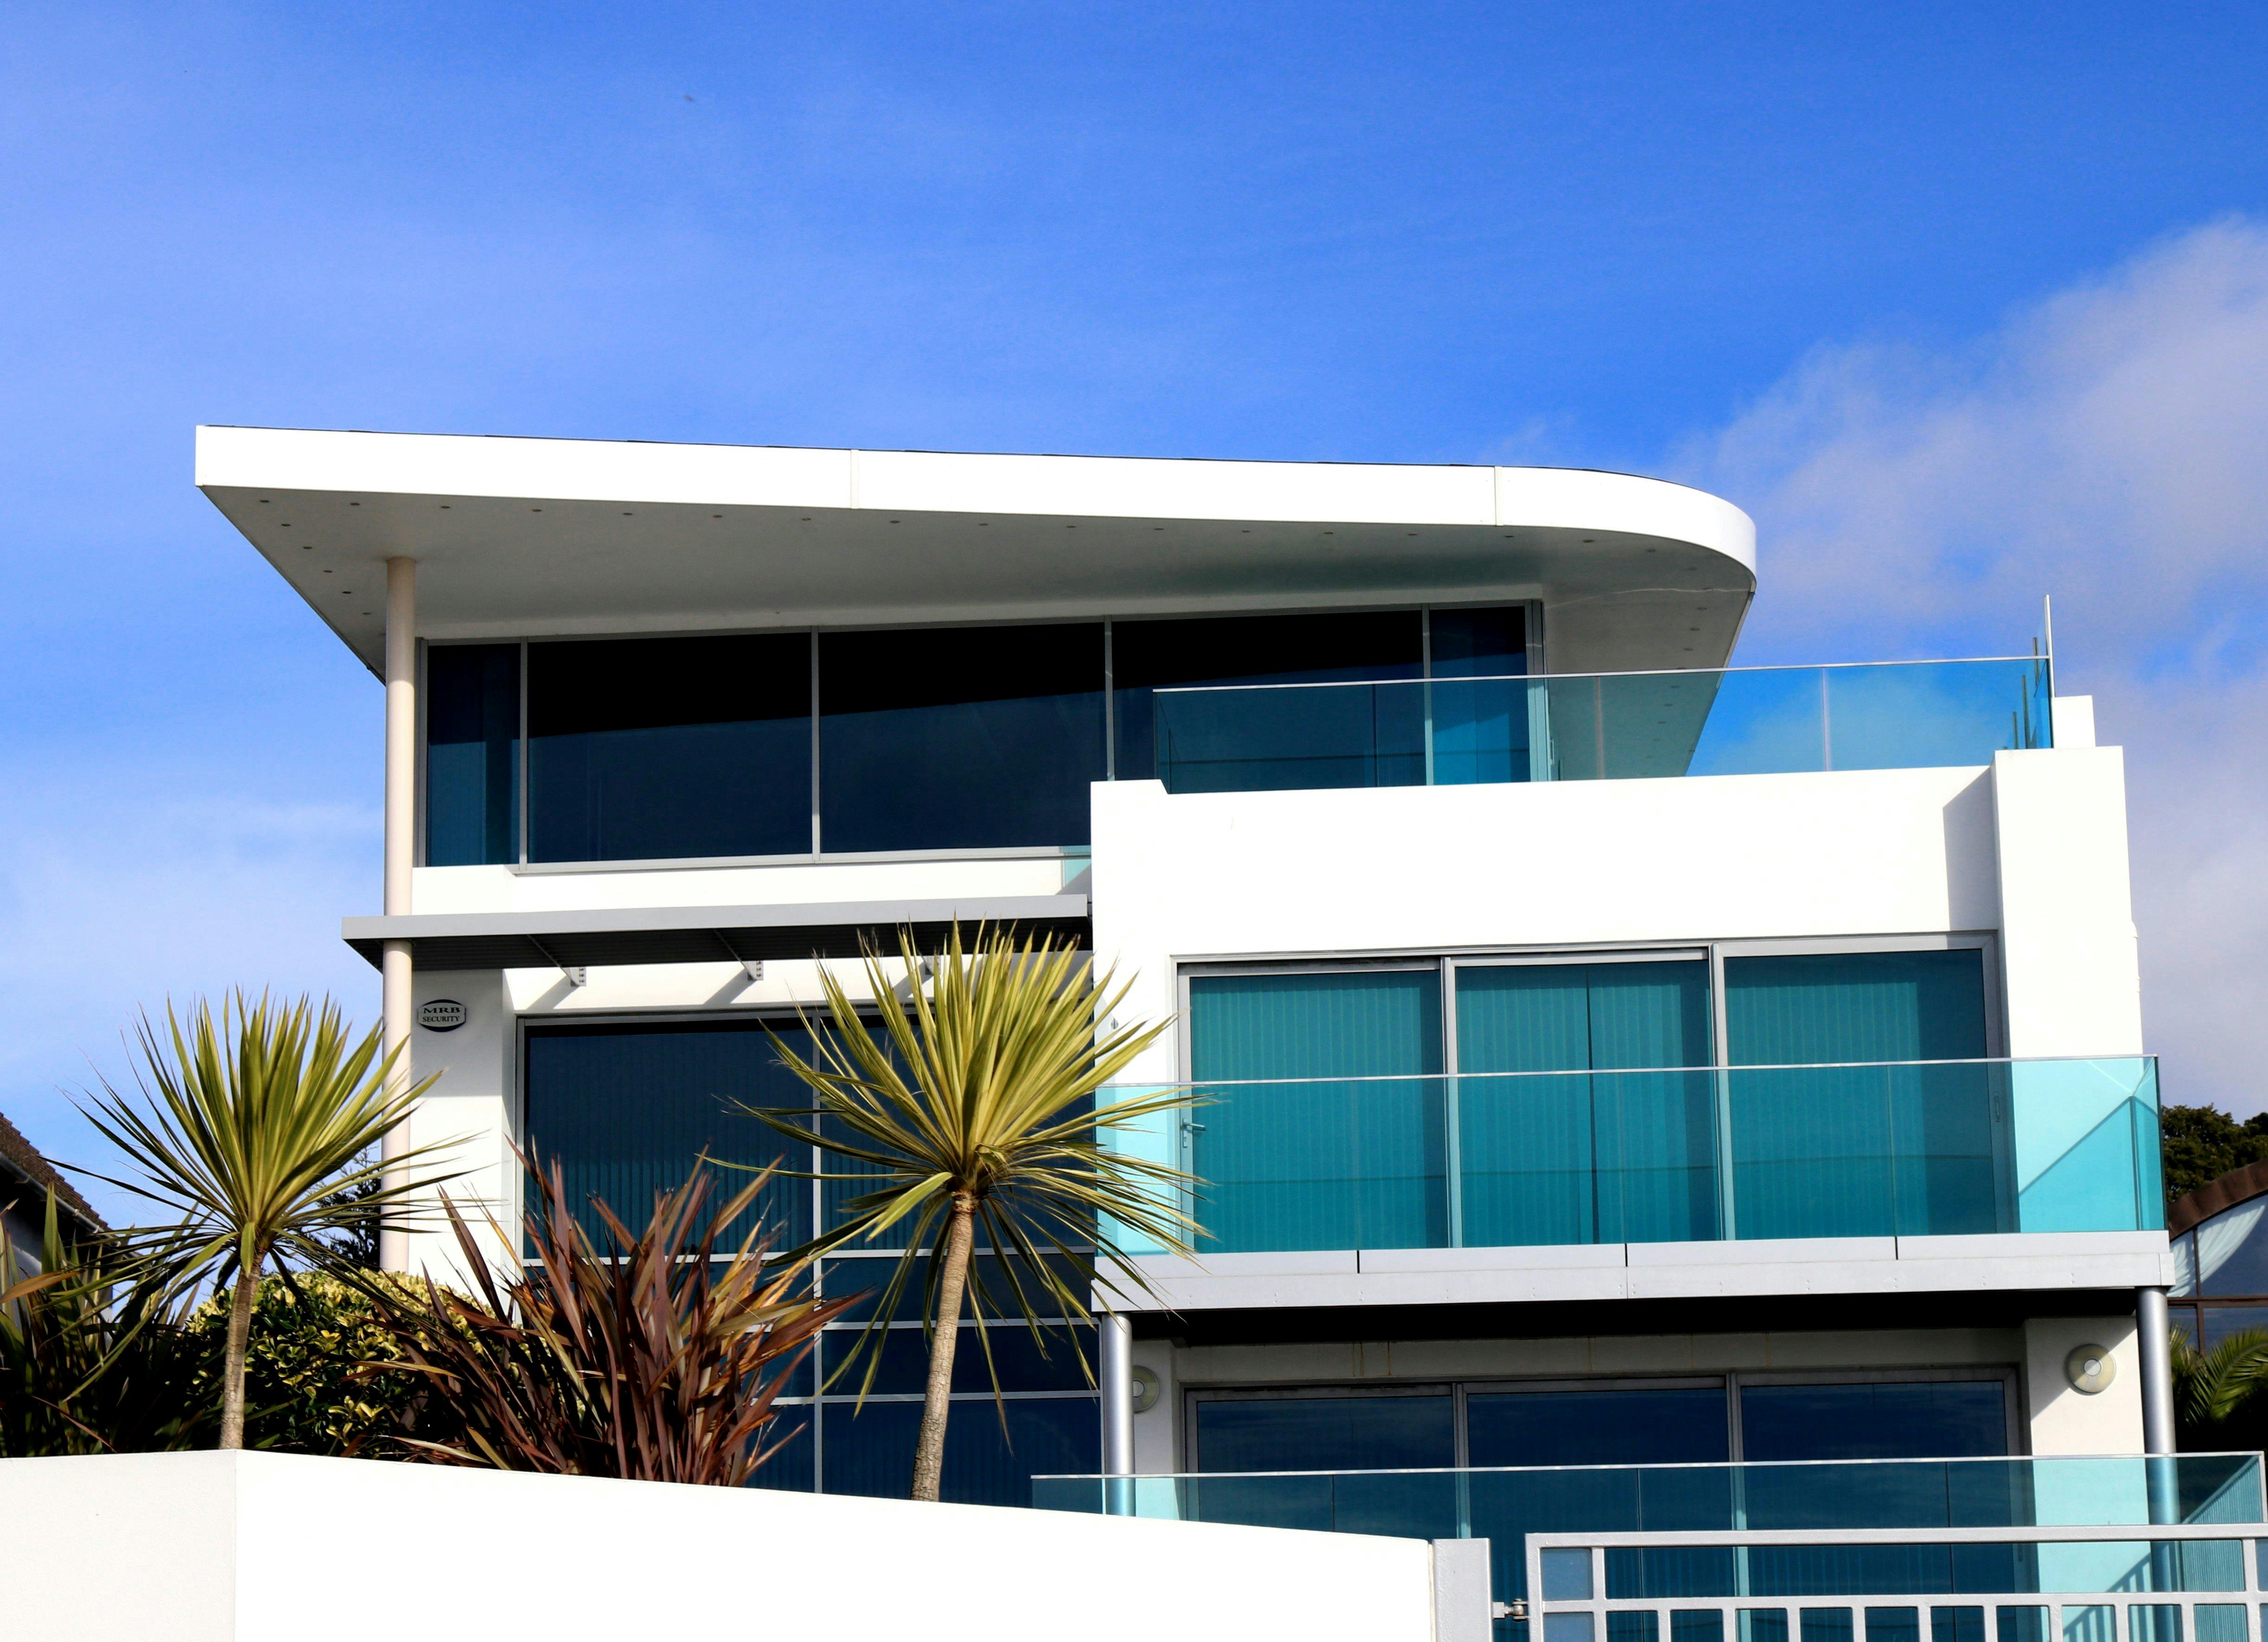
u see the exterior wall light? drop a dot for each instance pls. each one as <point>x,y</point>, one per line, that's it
<point>2090,1369</point>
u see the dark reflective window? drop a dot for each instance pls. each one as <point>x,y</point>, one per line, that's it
<point>1925,1419</point>
<point>1277,649</point>
<point>959,738</point>
<point>655,749</point>
<point>1326,1433</point>
<point>626,1110</point>
<point>472,755</point>
<point>870,1450</point>
<point>1638,1426</point>
<point>1480,728</point>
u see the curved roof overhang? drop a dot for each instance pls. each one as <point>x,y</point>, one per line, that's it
<point>521,537</point>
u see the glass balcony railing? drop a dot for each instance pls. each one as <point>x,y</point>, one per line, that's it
<point>1677,1155</point>
<point>1569,727</point>
<point>1504,1505</point>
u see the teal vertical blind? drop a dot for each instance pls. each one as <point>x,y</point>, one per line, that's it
<point>1833,1149</point>
<point>1616,1150</point>
<point>1333,1161</point>
<point>627,1111</point>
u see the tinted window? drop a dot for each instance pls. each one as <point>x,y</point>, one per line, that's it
<point>870,1450</point>
<point>1634,1426</point>
<point>472,754</point>
<point>1885,1420</point>
<point>626,1110</point>
<point>656,749</point>
<point>959,738</point>
<point>1251,649</point>
<point>1326,1433</point>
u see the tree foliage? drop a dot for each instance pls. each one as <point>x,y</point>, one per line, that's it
<point>972,1118</point>
<point>2218,1404</point>
<point>2199,1144</point>
<point>316,1380</point>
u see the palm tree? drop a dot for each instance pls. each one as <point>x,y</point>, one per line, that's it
<point>973,1113</point>
<point>259,1132</point>
<point>2216,1392</point>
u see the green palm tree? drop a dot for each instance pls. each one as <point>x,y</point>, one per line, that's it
<point>971,1114</point>
<point>256,1130</point>
<point>2216,1392</point>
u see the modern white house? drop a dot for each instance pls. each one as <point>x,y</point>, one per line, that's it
<point>1612,1057</point>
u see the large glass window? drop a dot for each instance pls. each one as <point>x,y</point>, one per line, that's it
<point>1902,1419</point>
<point>625,1110</point>
<point>1336,738</point>
<point>1840,1148</point>
<point>472,754</point>
<point>657,749</point>
<point>959,738</point>
<point>1326,1433</point>
<point>1341,1144</point>
<point>1632,1425</point>
<point>1613,1151</point>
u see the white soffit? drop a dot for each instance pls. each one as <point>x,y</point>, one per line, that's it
<point>519,536</point>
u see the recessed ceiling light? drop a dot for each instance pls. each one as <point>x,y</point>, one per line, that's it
<point>330,573</point>
<point>1590,539</point>
<point>307,547</point>
<point>354,504</point>
<point>715,516</point>
<point>445,507</point>
<point>345,592</point>
<point>535,510</point>
<point>263,502</point>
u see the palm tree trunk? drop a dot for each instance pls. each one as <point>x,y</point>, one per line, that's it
<point>239,1339</point>
<point>929,1452</point>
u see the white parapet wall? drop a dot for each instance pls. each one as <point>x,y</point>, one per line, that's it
<point>278,1548</point>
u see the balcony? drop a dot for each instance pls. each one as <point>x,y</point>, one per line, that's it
<point>1889,1149</point>
<point>1752,721</point>
<point>1737,1511</point>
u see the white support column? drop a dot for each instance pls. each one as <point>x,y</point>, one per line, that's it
<point>2156,1349</point>
<point>395,1011</point>
<point>1115,1348</point>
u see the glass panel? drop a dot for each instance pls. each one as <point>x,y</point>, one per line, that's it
<point>1324,1163</point>
<point>1479,728</point>
<point>1920,714</point>
<point>1826,1624</point>
<point>660,748</point>
<point>2154,1622</point>
<point>1566,1574</point>
<point>1763,1624</point>
<point>959,738</point>
<point>2220,1622</point>
<point>2021,1625</point>
<point>1955,1625</point>
<point>1636,1625</point>
<point>625,1110</point>
<point>1706,1625</point>
<point>791,1467</point>
<point>1630,1427</point>
<point>2087,1145</point>
<point>1878,1420</point>
<point>2090,1624</point>
<point>870,1451</point>
<point>2232,1251</point>
<point>1146,656</point>
<point>472,754</point>
<point>1872,1150</point>
<point>1026,1362</point>
<point>1275,1434</point>
<point>1586,1159</point>
<point>1567,1628</point>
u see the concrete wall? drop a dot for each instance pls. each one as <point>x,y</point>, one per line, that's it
<point>259,1548</point>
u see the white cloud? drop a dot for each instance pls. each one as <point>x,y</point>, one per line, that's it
<point>2108,445</point>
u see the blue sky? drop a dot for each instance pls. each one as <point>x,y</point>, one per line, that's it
<point>1964,304</point>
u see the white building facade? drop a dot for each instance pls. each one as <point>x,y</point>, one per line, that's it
<point>1610,1056</point>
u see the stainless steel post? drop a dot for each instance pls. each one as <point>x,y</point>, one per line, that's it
<point>395,1009</point>
<point>1115,1348</point>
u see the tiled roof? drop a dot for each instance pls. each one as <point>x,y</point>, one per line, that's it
<point>20,1158</point>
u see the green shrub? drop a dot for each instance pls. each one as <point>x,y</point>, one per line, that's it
<point>302,1392</point>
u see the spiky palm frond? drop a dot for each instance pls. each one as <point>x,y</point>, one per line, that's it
<point>974,1116</point>
<point>259,1132</point>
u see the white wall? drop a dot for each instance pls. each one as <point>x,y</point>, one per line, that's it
<point>2068,1421</point>
<point>247,1548</point>
<point>2068,943</point>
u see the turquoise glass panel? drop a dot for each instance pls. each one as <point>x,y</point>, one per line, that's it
<point>1827,1149</point>
<point>2086,1155</point>
<point>1603,1155</point>
<point>1353,1154</point>
<point>1582,727</point>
